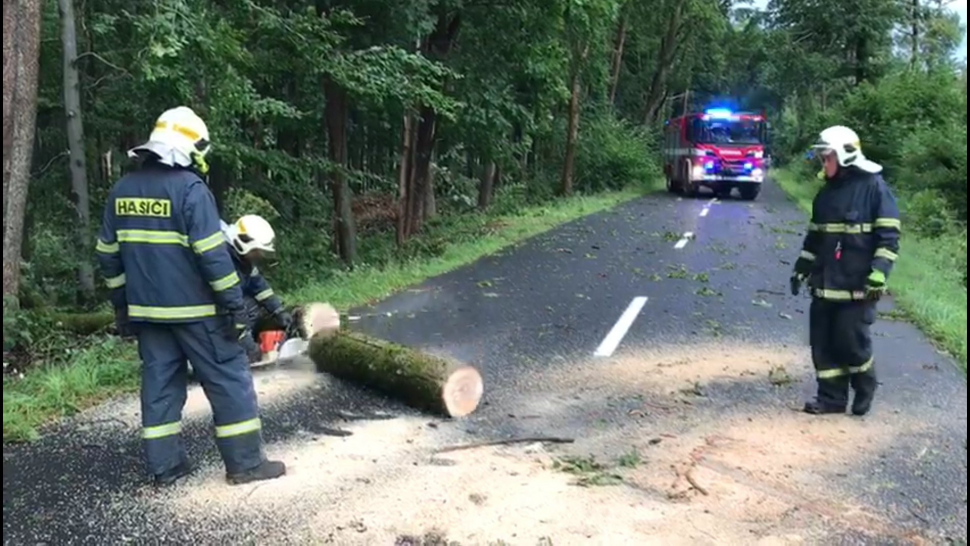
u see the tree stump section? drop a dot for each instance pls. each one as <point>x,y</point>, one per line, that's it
<point>420,380</point>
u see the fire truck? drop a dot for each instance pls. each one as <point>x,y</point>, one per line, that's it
<point>718,149</point>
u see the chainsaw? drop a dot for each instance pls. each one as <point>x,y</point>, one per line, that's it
<point>281,347</point>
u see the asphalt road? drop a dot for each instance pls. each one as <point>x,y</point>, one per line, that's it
<point>692,274</point>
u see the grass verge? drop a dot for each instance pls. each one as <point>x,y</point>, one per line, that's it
<point>107,367</point>
<point>924,283</point>
<point>97,372</point>
<point>478,236</point>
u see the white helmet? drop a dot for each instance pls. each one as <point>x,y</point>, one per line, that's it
<point>249,233</point>
<point>180,138</point>
<point>845,143</point>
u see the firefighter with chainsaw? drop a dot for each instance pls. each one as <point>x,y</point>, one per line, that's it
<point>846,260</point>
<point>251,242</point>
<point>174,287</point>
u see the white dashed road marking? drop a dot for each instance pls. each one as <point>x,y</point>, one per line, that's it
<point>622,326</point>
<point>707,208</point>
<point>683,242</point>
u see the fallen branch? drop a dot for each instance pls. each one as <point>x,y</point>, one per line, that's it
<point>918,516</point>
<point>547,440</point>
<point>689,475</point>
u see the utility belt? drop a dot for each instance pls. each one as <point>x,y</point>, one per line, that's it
<point>839,295</point>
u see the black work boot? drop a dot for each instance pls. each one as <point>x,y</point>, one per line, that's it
<point>267,470</point>
<point>863,402</point>
<point>170,477</point>
<point>865,387</point>
<point>822,408</point>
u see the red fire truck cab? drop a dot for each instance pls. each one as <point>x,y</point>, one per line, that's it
<point>717,149</point>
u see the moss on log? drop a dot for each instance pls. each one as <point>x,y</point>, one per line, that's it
<point>420,380</point>
<point>85,324</point>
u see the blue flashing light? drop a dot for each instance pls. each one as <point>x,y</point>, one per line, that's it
<point>748,166</point>
<point>709,166</point>
<point>721,113</point>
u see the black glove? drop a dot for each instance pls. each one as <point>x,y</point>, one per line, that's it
<point>285,320</point>
<point>123,324</point>
<point>253,354</point>
<point>796,284</point>
<point>241,325</point>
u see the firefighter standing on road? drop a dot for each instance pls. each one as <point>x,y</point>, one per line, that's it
<point>846,259</point>
<point>251,241</point>
<point>174,286</point>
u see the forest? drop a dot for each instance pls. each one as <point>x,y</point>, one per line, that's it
<point>390,140</point>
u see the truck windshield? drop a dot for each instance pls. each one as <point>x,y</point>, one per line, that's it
<point>726,131</point>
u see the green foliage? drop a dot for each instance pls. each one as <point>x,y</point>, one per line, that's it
<point>102,368</point>
<point>241,202</point>
<point>614,154</point>
<point>933,166</point>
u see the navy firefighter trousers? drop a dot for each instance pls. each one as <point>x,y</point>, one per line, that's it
<point>220,364</point>
<point>842,349</point>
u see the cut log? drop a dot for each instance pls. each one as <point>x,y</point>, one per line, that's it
<point>85,324</point>
<point>423,381</point>
<point>318,320</point>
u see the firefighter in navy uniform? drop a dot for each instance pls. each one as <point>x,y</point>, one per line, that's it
<point>846,259</point>
<point>174,286</point>
<point>251,241</point>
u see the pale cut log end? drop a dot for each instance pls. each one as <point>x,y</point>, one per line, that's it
<point>463,391</point>
<point>320,319</point>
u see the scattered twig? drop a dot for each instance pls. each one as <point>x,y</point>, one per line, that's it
<point>378,416</point>
<point>253,490</point>
<point>689,475</point>
<point>771,292</point>
<point>918,516</point>
<point>103,60</point>
<point>540,439</point>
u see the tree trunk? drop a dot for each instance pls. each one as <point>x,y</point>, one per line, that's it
<point>403,181</point>
<point>78,165</point>
<point>665,60</point>
<point>572,134</point>
<point>21,60</point>
<point>914,60</point>
<point>430,202</point>
<point>336,114</point>
<point>424,144</point>
<point>9,81</point>
<point>861,59</point>
<point>486,186</point>
<point>436,46</point>
<point>421,380</point>
<point>618,57</point>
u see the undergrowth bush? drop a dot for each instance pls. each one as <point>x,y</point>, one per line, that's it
<point>613,154</point>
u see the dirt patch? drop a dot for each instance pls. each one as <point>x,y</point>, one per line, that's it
<point>676,365</point>
<point>746,481</point>
<point>383,486</point>
<point>747,473</point>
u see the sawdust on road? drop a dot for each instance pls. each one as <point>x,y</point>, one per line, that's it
<point>672,471</point>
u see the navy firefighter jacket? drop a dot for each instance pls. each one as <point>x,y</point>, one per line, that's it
<point>254,285</point>
<point>853,233</point>
<point>161,249</point>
